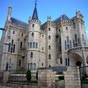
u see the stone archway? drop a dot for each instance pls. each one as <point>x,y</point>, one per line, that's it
<point>75,59</point>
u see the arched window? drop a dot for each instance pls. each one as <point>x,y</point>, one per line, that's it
<point>49,29</point>
<point>31,66</point>
<point>9,47</point>
<point>13,48</point>
<point>75,36</point>
<point>60,60</point>
<point>67,62</point>
<point>49,65</point>
<point>83,38</point>
<point>33,25</point>
<point>70,44</point>
<point>66,28</point>
<point>30,44</point>
<point>31,55</point>
<point>42,64</point>
<point>87,60</point>
<point>19,63</point>
<point>67,38</point>
<point>21,44</point>
<point>49,37</point>
<point>12,41</point>
<point>74,25</point>
<point>49,56</point>
<point>32,34</point>
<point>49,47</point>
<point>65,45</point>
<point>6,66</point>
<point>34,66</point>
<point>36,45</point>
<point>33,44</point>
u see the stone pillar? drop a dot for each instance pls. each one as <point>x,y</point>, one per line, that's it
<point>46,77</point>
<point>72,77</point>
<point>5,76</point>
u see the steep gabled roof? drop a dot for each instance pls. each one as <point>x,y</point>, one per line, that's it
<point>18,22</point>
<point>64,17</point>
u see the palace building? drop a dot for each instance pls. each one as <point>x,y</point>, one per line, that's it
<point>32,45</point>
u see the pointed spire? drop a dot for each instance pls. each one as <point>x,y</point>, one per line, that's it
<point>35,15</point>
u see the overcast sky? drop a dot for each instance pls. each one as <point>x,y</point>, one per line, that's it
<point>23,9</point>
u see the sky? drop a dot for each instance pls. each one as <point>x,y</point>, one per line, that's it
<point>23,9</point>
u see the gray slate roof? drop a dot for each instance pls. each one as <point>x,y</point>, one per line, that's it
<point>35,14</point>
<point>64,17</point>
<point>18,22</point>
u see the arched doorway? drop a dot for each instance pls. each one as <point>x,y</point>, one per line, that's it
<point>75,59</point>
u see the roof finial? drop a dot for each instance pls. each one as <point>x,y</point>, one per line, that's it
<point>35,2</point>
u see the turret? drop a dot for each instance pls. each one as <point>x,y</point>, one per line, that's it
<point>33,41</point>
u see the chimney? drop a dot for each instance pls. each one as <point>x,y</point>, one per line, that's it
<point>9,13</point>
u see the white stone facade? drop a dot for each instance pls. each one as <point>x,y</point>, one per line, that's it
<point>61,42</point>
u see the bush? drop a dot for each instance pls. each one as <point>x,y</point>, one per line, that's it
<point>28,75</point>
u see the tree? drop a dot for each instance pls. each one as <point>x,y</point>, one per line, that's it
<point>28,75</point>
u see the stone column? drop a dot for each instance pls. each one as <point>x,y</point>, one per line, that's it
<point>46,78</point>
<point>72,77</point>
<point>5,76</point>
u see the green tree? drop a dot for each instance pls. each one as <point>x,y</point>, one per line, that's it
<point>28,75</point>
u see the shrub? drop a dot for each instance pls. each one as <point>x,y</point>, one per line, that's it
<point>28,75</point>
